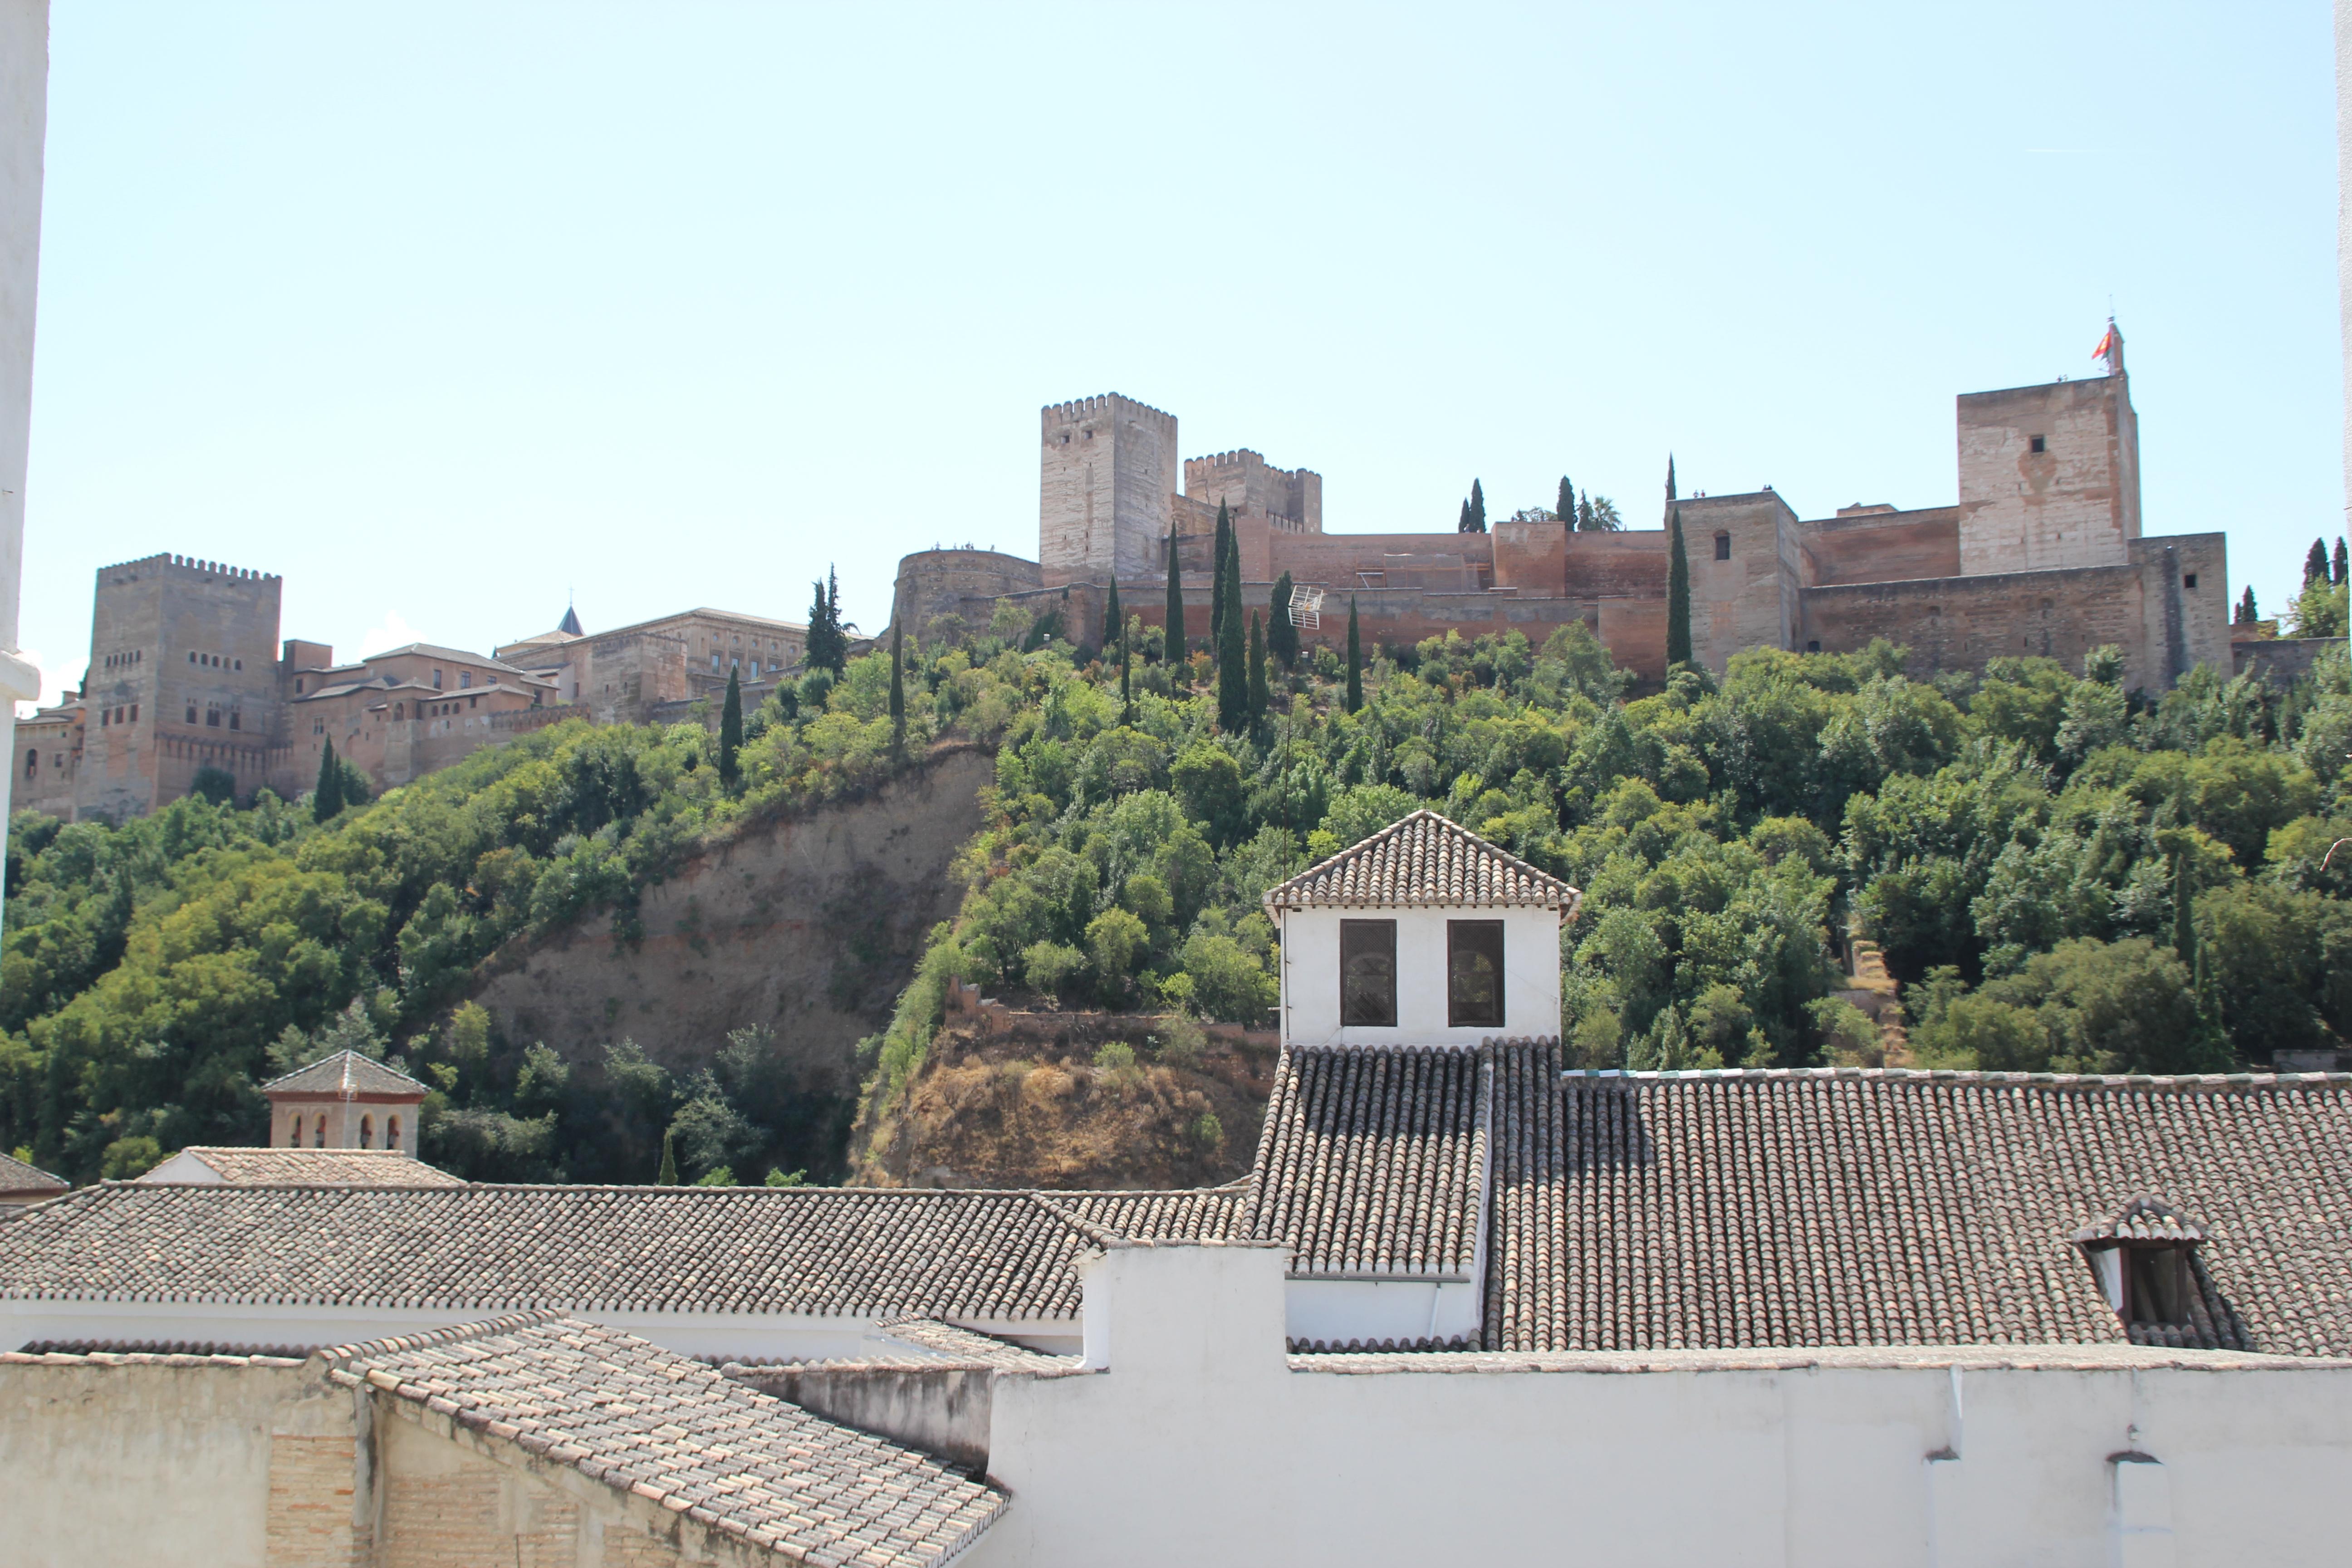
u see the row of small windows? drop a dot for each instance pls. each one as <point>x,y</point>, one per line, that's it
<point>1474,973</point>
<point>216,660</point>
<point>119,660</point>
<point>367,1133</point>
<point>33,761</point>
<point>212,711</point>
<point>108,717</point>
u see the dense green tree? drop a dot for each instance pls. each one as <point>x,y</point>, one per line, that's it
<point>1126,680</point>
<point>2336,565</point>
<point>215,784</point>
<point>1678,605</point>
<point>2315,562</point>
<point>1114,618</point>
<point>2247,615</point>
<point>1598,514</point>
<point>826,645</point>
<point>1474,511</point>
<point>1281,632</point>
<point>1173,637</point>
<point>1566,509</point>
<point>1355,695</point>
<point>327,795</point>
<point>731,732</point>
<point>1670,479</point>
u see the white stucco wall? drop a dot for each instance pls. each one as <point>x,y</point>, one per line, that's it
<point>1310,976</point>
<point>23,126</point>
<point>1201,1442</point>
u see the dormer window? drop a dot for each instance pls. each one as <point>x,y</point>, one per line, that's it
<point>1368,973</point>
<point>1473,974</point>
<point>2141,1257</point>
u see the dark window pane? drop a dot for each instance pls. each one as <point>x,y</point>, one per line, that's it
<point>1474,973</point>
<point>1368,973</point>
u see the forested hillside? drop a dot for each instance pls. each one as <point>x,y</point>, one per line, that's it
<point>2064,875</point>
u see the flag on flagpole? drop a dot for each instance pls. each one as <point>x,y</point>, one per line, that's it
<point>2107,343</point>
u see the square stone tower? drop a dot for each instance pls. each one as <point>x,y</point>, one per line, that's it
<point>1108,471</point>
<point>182,676</point>
<point>2049,475</point>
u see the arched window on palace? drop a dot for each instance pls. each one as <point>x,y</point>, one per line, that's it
<point>367,1131</point>
<point>391,1132</point>
<point>319,1134</point>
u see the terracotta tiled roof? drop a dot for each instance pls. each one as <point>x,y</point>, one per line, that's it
<point>2142,1219</point>
<point>345,1072</point>
<point>678,1432</point>
<point>996,1256</point>
<point>1372,1159</point>
<point>1843,1207</point>
<point>953,1345</point>
<point>17,1177</point>
<point>1423,859</point>
<point>315,1168</point>
<point>1203,1214</point>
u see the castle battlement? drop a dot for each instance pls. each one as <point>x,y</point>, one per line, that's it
<point>188,563</point>
<point>1078,408</point>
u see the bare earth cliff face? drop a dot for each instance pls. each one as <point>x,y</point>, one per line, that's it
<point>810,926</point>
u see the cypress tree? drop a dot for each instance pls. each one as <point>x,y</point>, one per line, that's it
<point>1257,692</point>
<point>1584,513</point>
<point>899,692</point>
<point>1670,479</point>
<point>1463,525</point>
<point>1113,619</point>
<point>827,647</point>
<point>1355,661</point>
<point>2336,569</point>
<point>2184,909</point>
<point>327,799</point>
<point>731,732</point>
<point>2314,564</point>
<point>1233,653</point>
<point>1678,627</point>
<point>2247,613</point>
<point>1566,510</point>
<point>1477,508</point>
<point>669,1177</point>
<point>1281,633</point>
<point>1173,646</point>
<point>1125,678</point>
<point>1217,578</point>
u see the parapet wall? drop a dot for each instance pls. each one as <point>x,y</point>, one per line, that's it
<point>936,583</point>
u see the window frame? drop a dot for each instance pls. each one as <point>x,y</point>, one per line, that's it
<point>1456,931</point>
<point>1375,935</point>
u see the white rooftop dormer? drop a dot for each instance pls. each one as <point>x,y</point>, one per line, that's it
<point>1422,934</point>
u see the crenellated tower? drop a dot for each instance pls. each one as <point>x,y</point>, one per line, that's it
<point>1108,469</point>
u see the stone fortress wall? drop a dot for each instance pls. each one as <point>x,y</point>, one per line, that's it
<point>2043,554</point>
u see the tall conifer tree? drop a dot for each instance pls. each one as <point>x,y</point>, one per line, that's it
<point>1281,632</point>
<point>730,731</point>
<point>327,798</point>
<point>1258,696</point>
<point>2184,911</point>
<point>1477,508</point>
<point>1233,651</point>
<point>899,692</point>
<point>1355,661</point>
<point>2337,568</point>
<point>1670,479</point>
<point>1463,526</point>
<point>827,647</point>
<point>1114,618</point>
<point>1126,678</point>
<point>1171,649</point>
<point>1217,578</point>
<point>2247,615</point>
<point>1678,627</point>
<point>2314,563</point>
<point>1566,510</point>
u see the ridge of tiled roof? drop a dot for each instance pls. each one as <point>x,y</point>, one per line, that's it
<point>2142,1219</point>
<point>679,1432</point>
<point>253,1167</point>
<point>1801,1208</point>
<point>1373,1160</point>
<point>972,1347</point>
<point>1422,859</point>
<point>16,1176</point>
<point>995,1255</point>
<point>345,1072</point>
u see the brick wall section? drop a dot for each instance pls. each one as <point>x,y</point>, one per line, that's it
<point>2075,503</point>
<point>312,1483</point>
<point>1881,547</point>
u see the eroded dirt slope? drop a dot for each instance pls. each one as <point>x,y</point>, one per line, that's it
<point>810,926</point>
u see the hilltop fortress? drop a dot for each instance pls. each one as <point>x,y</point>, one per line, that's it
<point>2042,554</point>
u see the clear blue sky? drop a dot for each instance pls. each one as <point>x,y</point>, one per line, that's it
<point>443,312</point>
